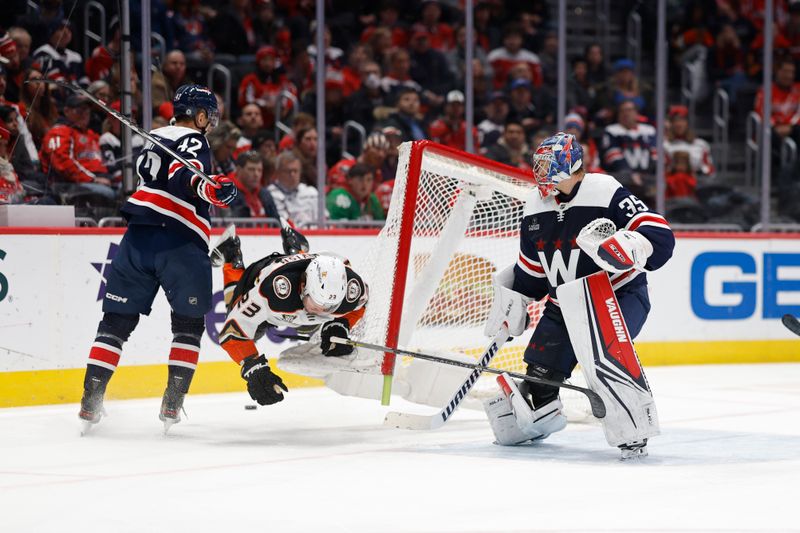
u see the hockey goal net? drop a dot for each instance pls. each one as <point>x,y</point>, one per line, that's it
<point>453,223</point>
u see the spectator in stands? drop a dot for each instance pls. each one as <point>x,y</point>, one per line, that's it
<point>624,86</point>
<point>451,128</point>
<point>223,141</point>
<point>502,59</point>
<point>59,62</point>
<point>629,150</point>
<point>264,86</point>
<point>380,43</point>
<point>792,31</point>
<point>398,76</point>
<point>595,65</point>
<point>11,189</point>
<point>254,200</point>
<point>26,139</point>
<point>70,153</point>
<point>355,200</point>
<point>174,70</point>
<point>250,122</point>
<point>334,56</point>
<point>373,154</point>
<point>491,128</point>
<point>681,181</point>
<point>780,45</point>
<point>369,99</point>
<point>189,28</point>
<point>726,62</point>
<point>730,12</point>
<point>101,90</point>
<point>14,71</point>
<point>300,121</point>
<point>531,113</point>
<point>389,24</point>
<point>264,143</point>
<point>680,138</point>
<point>295,200</point>
<point>481,85</point>
<point>574,124</point>
<point>486,31</point>
<point>41,107</point>
<point>440,34</point>
<point>333,108</point>
<point>406,118</point>
<point>548,57</point>
<point>306,152</point>
<point>580,91</point>
<point>23,41</point>
<point>352,72</point>
<point>429,68</point>
<point>231,30</point>
<point>458,55</point>
<point>785,102</point>
<point>98,65</point>
<point>511,148</point>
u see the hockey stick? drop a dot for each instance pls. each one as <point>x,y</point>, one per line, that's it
<point>596,403</point>
<point>791,322</point>
<point>130,124</point>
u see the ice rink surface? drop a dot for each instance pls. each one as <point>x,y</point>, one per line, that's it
<point>728,459</point>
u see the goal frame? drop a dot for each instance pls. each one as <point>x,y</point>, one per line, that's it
<point>406,234</point>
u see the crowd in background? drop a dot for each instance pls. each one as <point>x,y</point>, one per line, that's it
<point>396,68</point>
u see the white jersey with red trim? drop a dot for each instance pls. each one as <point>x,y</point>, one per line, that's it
<point>270,292</point>
<point>549,255</point>
<point>166,195</point>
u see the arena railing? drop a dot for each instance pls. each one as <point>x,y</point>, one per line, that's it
<point>226,77</point>
<point>752,148</point>
<point>687,92</point>
<point>731,228</point>
<point>633,40</point>
<point>777,228</point>
<point>161,45</point>
<point>85,222</point>
<point>362,134</point>
<point>788,153</point>
<point>90,35</point>
<point>282,127</point>
<point>719,130</point>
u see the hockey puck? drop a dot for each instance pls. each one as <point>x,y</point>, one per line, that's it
<point>251,407</point>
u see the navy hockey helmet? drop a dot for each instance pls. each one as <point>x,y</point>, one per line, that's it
<point>556,159</point>
<point>189,99</point>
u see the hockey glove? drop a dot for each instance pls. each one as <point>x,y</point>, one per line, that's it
<point>507,306</point>
<point>220,194</point>
<point>264,386</point>
<point>614,250</point>
<point>335,328</point>
<point>293,241</point>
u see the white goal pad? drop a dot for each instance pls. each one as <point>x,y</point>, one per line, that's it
<point>605,351</point>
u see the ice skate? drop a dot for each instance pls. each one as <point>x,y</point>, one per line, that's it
<point>634,450</point>
<point>171,407</point>
<point>92,406</point>
<point>227,249</point>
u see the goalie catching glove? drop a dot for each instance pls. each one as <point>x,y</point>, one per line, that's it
<point>335,328</point>
<point>221,193</point>
<point>507,306</point>
<point>264,386</point>
<point>614,250</point>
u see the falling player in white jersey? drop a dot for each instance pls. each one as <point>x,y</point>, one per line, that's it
<point>557,246</point>
<point>295,289</point>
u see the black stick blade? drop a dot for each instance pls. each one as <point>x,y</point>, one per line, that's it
<point>598,407</point>
<point>791,322</point>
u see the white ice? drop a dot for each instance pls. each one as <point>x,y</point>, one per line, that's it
<point>728,459</point>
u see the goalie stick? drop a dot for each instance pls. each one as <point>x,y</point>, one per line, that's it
<point>791,322</point>
<point>596,403</point>
<point>287,231</point>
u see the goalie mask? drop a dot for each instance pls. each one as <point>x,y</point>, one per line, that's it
<point>556,159</point>
<point>326,284</point>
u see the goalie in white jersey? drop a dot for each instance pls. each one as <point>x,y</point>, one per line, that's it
<point>575,226</point>
<point>295,289</point>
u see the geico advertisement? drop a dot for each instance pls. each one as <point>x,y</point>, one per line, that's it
<point>52,287</point>
<point>725,289</point>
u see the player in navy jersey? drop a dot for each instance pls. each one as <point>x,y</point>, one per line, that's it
<point>165,245</point>
<point>569,204</point>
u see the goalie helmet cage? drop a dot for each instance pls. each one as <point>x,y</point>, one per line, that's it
<point>453,222</point>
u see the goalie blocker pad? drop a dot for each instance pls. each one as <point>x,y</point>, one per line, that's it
<point>605,351</point>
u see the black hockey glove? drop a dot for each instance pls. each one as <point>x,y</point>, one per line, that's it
<point>264,386</point>
<point>293,241</point>
<point>335,328</point>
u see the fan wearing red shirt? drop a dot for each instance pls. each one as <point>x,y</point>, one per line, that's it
<point>785,100</point>
<point>264,86</point>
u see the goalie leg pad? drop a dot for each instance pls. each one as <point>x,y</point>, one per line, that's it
<point>514,422</point>
<point>603,344</point>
